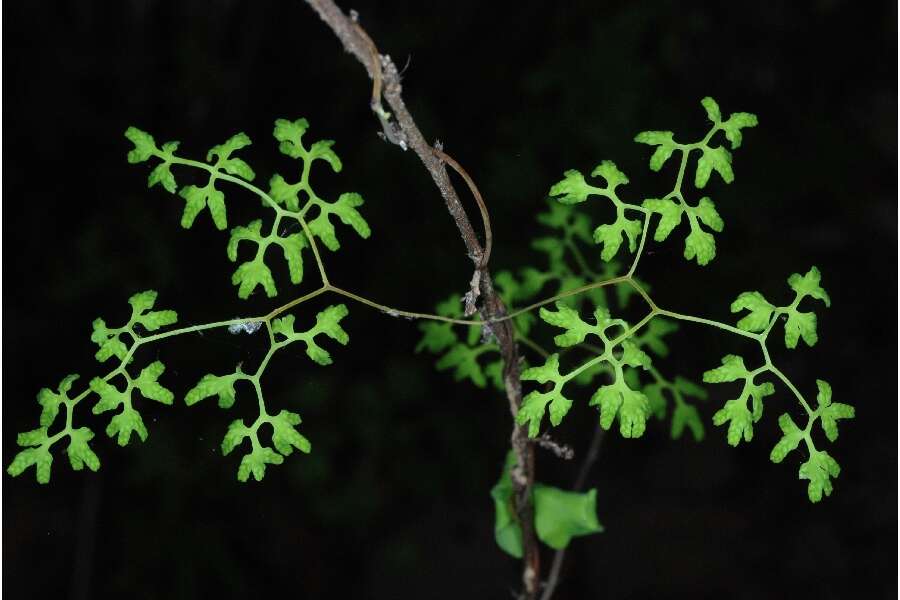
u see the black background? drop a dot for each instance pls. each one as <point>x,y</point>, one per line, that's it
<point>393,501</point>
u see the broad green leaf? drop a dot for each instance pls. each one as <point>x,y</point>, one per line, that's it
<point>713,159</point>
<point>80,453</point>
<point>507,530</point>
<point>124,424</point>
<point>760,311</point>
<point>829,412</point>
<point>285,437</point>
<point>791,439</point>
<point>215,385</point>
<point>819,470</point>
<point>560,515</point>
<point>345,210</point>
<point>149,387</point>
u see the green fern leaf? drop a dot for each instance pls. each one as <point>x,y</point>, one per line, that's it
<point>734,124</point>
<point>39,457</point>
<point>232,166</point>
<point>150,389</point>
<point>80,453</point>
<point>251,274</point>
<point>819,470</point>
<point>345,210</point>
<point>664,143</point>
<point>829,412</point>
<point>285,437</point>
<point>124,424</point>
<point>215,385</point>
<point>760,311</point>
<point>713,159</point>
<point>791,439</point>
<point>144,145</point>
<point>197,198</point>
<point>51,401</point>
<point>327,323</point>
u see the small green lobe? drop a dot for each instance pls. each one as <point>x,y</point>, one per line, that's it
<point>144,146</point>
<point>80,453</point>
<point>214,385</point>
<point>819,470</point>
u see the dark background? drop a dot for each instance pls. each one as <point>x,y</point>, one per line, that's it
<point>393,501</point>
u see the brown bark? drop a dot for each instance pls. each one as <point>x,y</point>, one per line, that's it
<point>404,133</point>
